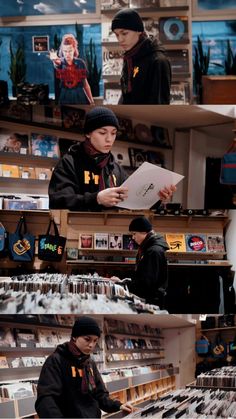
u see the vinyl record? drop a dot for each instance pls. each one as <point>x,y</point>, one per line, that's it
<point>143,133</point>
<point>174,29</point>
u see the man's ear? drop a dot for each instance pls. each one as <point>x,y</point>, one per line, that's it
<point>87,136</point>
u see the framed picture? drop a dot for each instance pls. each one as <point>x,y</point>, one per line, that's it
<point>137,157</point>
<point>86,241</point>
<point>160,136</point>
<point>101,241</point>
<point>115,241</point>
<point>40,43</point>
<point>73,118</point>
<point>112,94</point>
<point>126,129</point>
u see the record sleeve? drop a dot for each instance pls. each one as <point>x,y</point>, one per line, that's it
<point>151,26</point>
<point>26,172</point>
<point>173,29</point>
<point>160,136</point>
<point>115,241</point>
<point>9,170</point>
<point>215,243</point>
<point>125,131</point>
<point>111,95</point>
<point>44,145</point>
<point>101,241</point>
<point>86,241</point>
<point>137,157</point>
<point>114,4</point>
<point>42,173</point>
<point>143,134</point>
<point>177,94</point>
<point>176,242</point>
<point>6,337</point>
<point>13,142</point>
<point>129,243</point>
<point>3,362</point>
<point>25,338</point>
<point>196,243</point>
<point>179,61</point>
<point>73,118</point>
<point>19,390</point>
<point>112,62</point>
<point>15,362</point>
<point>121,155</point>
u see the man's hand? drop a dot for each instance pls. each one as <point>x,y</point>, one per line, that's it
<point>112,196</point>
<point>127,407</point>
<point>166,193</point>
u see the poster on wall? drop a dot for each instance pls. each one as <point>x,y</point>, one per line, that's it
<point>40,43</point>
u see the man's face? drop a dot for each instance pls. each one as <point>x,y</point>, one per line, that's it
<point>103,138</point>
<point>86,344</point>
<point>138,237</point>
<point>127,39</point>
<point>86,241</point>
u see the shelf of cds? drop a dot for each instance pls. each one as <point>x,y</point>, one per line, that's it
<point>170,22</point>
<point>26,341</point>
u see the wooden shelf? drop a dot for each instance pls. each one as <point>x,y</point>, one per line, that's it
<point>134,350</point>
<point>133,335</point>
<point>218,329</point>
<point>27,160</point>
<point>22,181</point>
<point>148,10</point>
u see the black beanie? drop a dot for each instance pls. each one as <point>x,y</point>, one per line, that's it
<point>100,117</point>
<point>140,224</point>
<point>127,19</point>
<point>85,326</point>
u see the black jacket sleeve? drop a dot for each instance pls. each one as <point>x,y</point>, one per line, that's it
<point>160,81</point>
<point>63,190</point>
<point>102,395</point>
<point>49,390</point>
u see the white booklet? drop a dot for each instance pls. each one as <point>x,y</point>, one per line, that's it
<point>145,183</point>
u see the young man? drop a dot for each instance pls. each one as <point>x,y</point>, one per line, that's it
<point>70,385</point>
<point>88,178</point>
<point>146,74</point>
<point>150,280</point>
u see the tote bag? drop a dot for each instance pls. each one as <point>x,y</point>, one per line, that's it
<point>228,166</point>
<point>51,247</point>
<point>21,243</point>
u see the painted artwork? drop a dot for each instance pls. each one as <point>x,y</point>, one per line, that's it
<point>47,7</point>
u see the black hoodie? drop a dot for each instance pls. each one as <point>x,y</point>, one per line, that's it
<point>150,281</point>
<point>151,83</point>
<point>59,389</point>
<point>74,182</point>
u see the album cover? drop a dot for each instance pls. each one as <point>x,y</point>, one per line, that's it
<point>42,173</point>
<point>29,361</point>
<point>112,95</point>
<point>179,61</point>
<point>173,29</point>
<point>151,26</point>
<point>129,243</point>
<point>47,338</point>
<point>13,142</point>
<point>65,144</point>
<point>65,319</point>
<point>112,62</point>
<point>121,155</point>
<point>73,118</point>
<point>137,157</point>
<point>114,4</point>
<point>143,134</point>
<point>196,243</point>
<point>40,43</point>
<point>115,241</point>
<point>6,337</point>
<point>155,157</point>
<point>27,172</point>
<point>125,131</point>
<point>176,242</point>
<point>160,136</point>
<point>44,145</point>
<point>25,338</point>
<point>86,241</point>
<point>72,253</point>
<point>101,241</point>
<point>47,114</point>
<point>3,362</point>
<point>16,111</point>
<point>177,94</point>
<point>9,170</point>
<point>15,362</point>
<point>215,243</point>
<point>137,4</point>
<point>107,34</point>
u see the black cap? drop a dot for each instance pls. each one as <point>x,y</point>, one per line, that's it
<point>140,224</point>
<point>85,326</point>
<point>100,117</point>
<point>127,19</point>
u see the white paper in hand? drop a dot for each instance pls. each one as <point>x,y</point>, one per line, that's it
<point>145,183</point>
